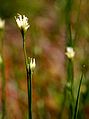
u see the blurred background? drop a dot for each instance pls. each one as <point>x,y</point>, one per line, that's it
<point>46,42</point>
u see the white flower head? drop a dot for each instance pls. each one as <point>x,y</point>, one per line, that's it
<point>22,22</point>
<point>70,52</point>
<point>2,23</point>
<point>32,63</point>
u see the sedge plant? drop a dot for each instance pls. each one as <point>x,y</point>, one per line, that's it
<point>70,53</point>
<point>22,22</point>
<point>2,66</point>
<point>70,56</point>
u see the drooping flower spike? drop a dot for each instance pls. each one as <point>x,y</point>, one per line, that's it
<point>22,22</point>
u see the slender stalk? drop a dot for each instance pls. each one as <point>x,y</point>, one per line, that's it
<point>70,73</point>
<point>68,22</point>
<point>75,38</point>
<point>24,49</point>
<point>3,78</point>
<point>29,78</point>
<point>29,85</point>
<point>77,100</point>
<point>69,39</point>
<point>70,79</point>
<point>70,76</point>
<point>3,90</point>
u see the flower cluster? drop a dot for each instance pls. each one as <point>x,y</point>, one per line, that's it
<point>22,22</point>
<point>70,52</point>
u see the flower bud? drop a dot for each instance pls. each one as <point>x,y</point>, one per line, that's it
<point>32,63</point>
<point>70,52</point>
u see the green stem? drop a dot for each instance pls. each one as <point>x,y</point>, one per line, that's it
<point>3,77</point>
<point>29,77</point>
<point>25,53</point>
<point>70,80</point>
<point>29,85</point>
<point>68,22</point>
<point>77,100</point>
<point>3,90</point>
<point>70,73</point>
<point>70,76</point>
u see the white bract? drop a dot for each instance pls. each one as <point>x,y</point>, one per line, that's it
<point>2,23</point>
<point>70,52</point>
<point>32,63</point>
<point>22,22</point>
